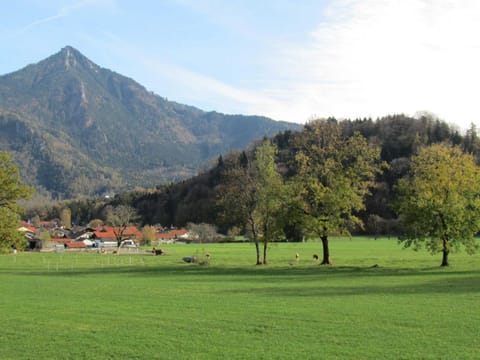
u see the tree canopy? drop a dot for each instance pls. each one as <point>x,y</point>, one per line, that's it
<point>252,196</point>
<point>120,217</point>
<point>11,190</point>
<point>439,201</point>
<point>335,174</point>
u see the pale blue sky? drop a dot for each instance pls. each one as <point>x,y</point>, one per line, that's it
<point>289,60</point>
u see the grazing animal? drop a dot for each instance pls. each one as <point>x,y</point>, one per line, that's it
<point>158,252</point>
<point>315,257</point>
<point>190,259</point>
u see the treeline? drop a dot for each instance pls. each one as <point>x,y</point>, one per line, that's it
<point>195,200</point>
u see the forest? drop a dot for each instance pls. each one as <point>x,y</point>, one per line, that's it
<point>196,200</point>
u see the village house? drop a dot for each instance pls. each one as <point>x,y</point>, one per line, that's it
<point>170,236</point>
<point>101,236</point>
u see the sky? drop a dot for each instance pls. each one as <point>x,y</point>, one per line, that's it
<point>285,59</point>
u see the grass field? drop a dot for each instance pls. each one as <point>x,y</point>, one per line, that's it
<point>92,306</point>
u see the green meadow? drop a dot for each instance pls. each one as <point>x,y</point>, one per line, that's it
<point>378,301</point>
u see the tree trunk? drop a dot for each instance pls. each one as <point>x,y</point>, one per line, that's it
<point>445,247</point>
<point>255,240</point>
<point>326,252</point>
<point>265,248</point>
<point>445,252</point>
<point>257,248</point>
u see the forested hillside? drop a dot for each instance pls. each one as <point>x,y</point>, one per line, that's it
<point>398,136</point>
<point>195,200</point>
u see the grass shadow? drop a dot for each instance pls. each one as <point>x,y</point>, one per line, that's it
<point>252,272</point>
<point>454,285</point>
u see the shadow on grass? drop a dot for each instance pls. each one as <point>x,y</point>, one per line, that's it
<point>453,285</point>
<point>251,272</point>
<point>309,281</point>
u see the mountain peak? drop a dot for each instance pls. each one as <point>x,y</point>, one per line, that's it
<point>70,51</point>
<point>72,58</point>
<point>69,57</point>
<point>69,48</point>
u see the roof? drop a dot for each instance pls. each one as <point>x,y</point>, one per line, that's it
<point>70,244</point>
<point>171,234</point>
<point>76,245</point>
<point>25,226</point>
<point>104,232</point>
<point>27,229</point>
<point>61,240</point>
<point>108,232</point>
<point>48,224</point>
<point>179,232</point>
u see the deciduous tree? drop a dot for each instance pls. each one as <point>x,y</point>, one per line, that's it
<point>334,174</point>
<point>439,201</point>
<point>203,232</point>
<point>11,190</point>
<point>270,195</point>
<point>237,198</point>
<point>253,196</point>
<point>120,217</point>
<point>66,218</point>
<point>149,233</point>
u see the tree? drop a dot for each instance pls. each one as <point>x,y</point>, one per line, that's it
<point>253,196</point>
<point>95,223</point>
<point>270,195</point>
<point>237,199</point>
<point>36,221</point>
<point>439,201</point>
<point>203,232</point>
<point>11,190</point>
<point>66,218</point>
<point>149,233</point>
<point>120,217</point>
<point>471,143</point>
<point>334,174</point>
<point>45,237</point>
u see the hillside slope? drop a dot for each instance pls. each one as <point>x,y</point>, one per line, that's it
<point>76,128</point>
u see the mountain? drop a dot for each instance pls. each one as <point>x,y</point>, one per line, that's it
<point>75,128</point>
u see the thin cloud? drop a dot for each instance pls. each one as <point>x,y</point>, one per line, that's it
<point>184,85</point>
<point>367,58</point>
<point>371,58</point>
<point>64,12</point>
<point>228,15</point>
<point>364,58</point>
<point>220,96</point>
